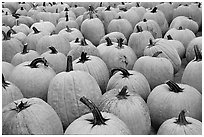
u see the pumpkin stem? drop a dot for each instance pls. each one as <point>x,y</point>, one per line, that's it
<point>66,16</point>
<point>83,42</point>
<point>125,72</point>
<point>44,4</point>
<point>83,58</point>
<point>34,63</point>
<point>21,106</point>
<point>109,42</point>
<point>123,3</point>
<point>119,17</point>
<point>139,28</point>
<point>180,28</point>
<point>69,64</point>
<point>137,4</point>
<point>199,4</point>
<point>91,15</point>
<point>35,30</point>
<point>197,54</point>
<point>25,48</point>
<point>17,22</point>
<point>169,37</point>
<point>120,42</point>
<point>151,43</point>
<point>91,8</point>
<point>66,9</point>
<point>56,10</point>
<point>174,87</point>
<point>11,31</point>
<point>182,119</point>
<point>157,53</point>
<point>154,10</point>
<point>123,94</point>
<point>77,40</point>
<point>68,29</point>
<point>5,36</point>
<point>98,118</point>
<point>75,6</point>
<point>53,50</point>
<point>22,8</point>
<point>144,20</point>
<point>108,8</point>
<point>4,83</point>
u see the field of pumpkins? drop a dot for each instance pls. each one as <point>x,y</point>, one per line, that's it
<point>102,68</point>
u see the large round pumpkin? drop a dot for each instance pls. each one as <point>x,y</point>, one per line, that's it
<point>97,123</point>
<point>169,99</point>
<point>31,116</point>
<point>65,90</point>
<point>129,107</point>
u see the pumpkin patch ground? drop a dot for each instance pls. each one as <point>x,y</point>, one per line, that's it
<point>101,68</point>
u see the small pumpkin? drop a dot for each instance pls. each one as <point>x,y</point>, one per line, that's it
<point>6,69</point>
<point>31,116</point>
<point>155,69</point>
<point>168,100</point>
<point>21,28</point>
<point>97,123</point>
<point>192,74</point>
<point>183,125</point>
<point>10,92</point>
<point>135,81</point>
<point>114,36</point>
<point>21,11</point>
<point>33,78</point>
<point>44,26</point>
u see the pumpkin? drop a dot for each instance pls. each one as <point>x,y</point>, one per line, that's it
<point>190,54</point>
<point>167,9</point>
<point>177,45</point>
<point>5,11</point>
<point>168,52</point>
<point>129,107</point>
<point>78,10</point>
<point>167,100</point>
<point>135,81</point>
<point>114,36</point>
<point>33,38</point>
<point>8,20</point>
<point>159,17</point>
<point>21,11</point>
<point>56,40</point>
<point>31,116</point>
<point>25,55</point>
<point>79,21</point>
<point>155,69</point>
<point>19,36</point>
<point>151,26</point>
<point>117,55</point>
<point>21,28</point>
<point>70,13</point>
<point>71,33</point>
<point>182,125</point>
<point>33,78</point>
<point>138,41</point>
<point>181,34</point>
<point>97,123</point>
<point>140,10</point>
<point>26,5</point>
<point>93,29</point>
<point>44,26</point>
<point>10,46</point>
<point>57,60</point>
<point>12,6</point>
<point>65,90</point>
<point>94,66</point>
<point>148,4</point>
<point>6,69</point>
<point>25,20</point>
<point>83,46</point>
<point>192,74</point>
<point>120,25</point>
<point>185,22</point>
<point>5,28</point>
<point>10,92</point>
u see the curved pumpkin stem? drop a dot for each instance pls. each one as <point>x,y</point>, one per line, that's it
<point>35,30</point>
<point>197,54</point>
<point>34,63</point>
<point>125,72</point>
<point>123,94</point>
<point>83,58</point>
<point>154,10</point>
<point>174,87</point>
<point>120,42</point>
<point>69,64</point>
<point>98,118</point>
<point>157,53</point>
<point>109,42</point>
<point>11,31</point>
<point>25,50</point>
<point>53,50</point>
<point>182,119</point>
<point>4,83</point>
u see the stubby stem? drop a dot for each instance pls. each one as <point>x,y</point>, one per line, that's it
<point>174,87</point>
<point>25,48</point>
<point>123,94</point>
<point>119,17</point>
<point>66,16</point>
<point>17,22</point>
<point>68,29</point>
<point>120,42</point>
<point>4,83</point>
<point>21,106</point>
<point>197,54</point>
<point>34,63</point>
<point>22,8</point>
<point>5,36</point>
<point>83,42</point>
<point>151,44</point>
<point>98,118</point>
<point>109,42</point>
<point>182,119</point>
<point>66,9</point>
<point>125,72</point>
<point>139,28</point>
<point>108,8</point>
<point>35,30</point>
<point>69,64</point>
<point>157,53</point>
<point>83,58</point>
<point>144,20</point>
<point>53,50</point>
<point>169,37</point>
<point>180,28</point>
<point>77,40</point>
<point>154,10</point>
